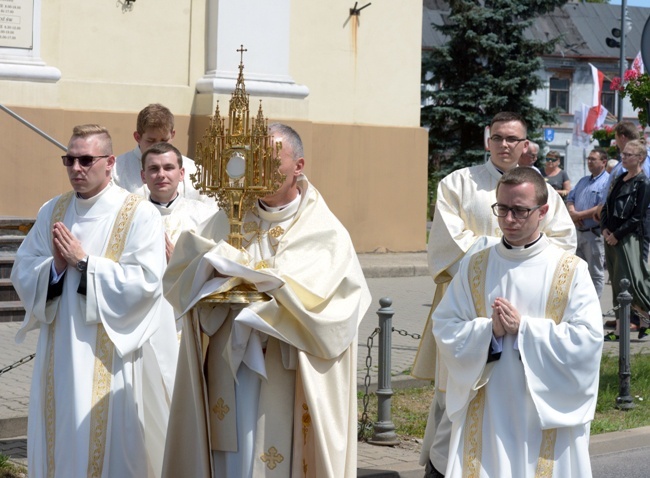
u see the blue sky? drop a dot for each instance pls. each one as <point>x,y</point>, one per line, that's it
<point>632,3</point>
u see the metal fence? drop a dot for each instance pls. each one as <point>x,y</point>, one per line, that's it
<point>382,431</point>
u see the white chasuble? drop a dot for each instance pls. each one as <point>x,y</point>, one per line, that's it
<point>184,215</point>
<point>526,414</point>
<point>462,216</point>
<point>292,410</point>
<point>89,400</point>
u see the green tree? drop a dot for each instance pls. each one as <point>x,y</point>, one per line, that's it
<point>486,66</point>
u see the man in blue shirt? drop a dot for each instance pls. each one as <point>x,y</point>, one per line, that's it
<point>583,202</point>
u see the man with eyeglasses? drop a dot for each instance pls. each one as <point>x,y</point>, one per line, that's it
<point>89,275</point>
<point>582,202</point>
<point>519,330</point>
<point>461,218</point>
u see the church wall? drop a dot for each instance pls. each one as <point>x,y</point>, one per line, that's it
<point>364,148</point>
<point>365,74</point>
<point>369,175</point>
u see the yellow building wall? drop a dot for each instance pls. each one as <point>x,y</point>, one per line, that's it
<point>364,148</point>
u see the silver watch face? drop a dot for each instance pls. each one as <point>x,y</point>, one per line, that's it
<point>82,265</point>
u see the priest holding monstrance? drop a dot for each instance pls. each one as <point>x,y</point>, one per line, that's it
<point>273,294</point>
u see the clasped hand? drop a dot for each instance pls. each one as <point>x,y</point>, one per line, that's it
<point>505,318</point>
<point>67,248</point>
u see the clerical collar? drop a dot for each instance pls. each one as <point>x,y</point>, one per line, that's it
<point>266,207</point>
<point>163,204</point>
<point>510,246</point>
<point>495,167</point>
<point>93,200</point>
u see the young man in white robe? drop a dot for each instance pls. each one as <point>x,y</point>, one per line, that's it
<point>155,124</point>
<point>89,275</point>
<point>275,393</point>
<point>461,218</point>
<point>520,330</point>
<point>162,173</point>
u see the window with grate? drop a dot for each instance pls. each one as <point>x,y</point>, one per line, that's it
<point>559,98</point>
<point>608,97</point>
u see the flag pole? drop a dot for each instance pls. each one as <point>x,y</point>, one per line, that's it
<point>622,57</point>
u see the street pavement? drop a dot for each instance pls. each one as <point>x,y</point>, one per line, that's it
<point>403,278</point>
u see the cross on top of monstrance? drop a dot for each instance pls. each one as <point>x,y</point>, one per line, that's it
<point>237,164</point>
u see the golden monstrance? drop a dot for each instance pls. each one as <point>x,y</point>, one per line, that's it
<point>237,165</point>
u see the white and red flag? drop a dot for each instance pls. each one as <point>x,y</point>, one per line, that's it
<point>637,64</point>
<point>596,115</point>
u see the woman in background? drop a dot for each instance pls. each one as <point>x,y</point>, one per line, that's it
<point>621,221</point>
<point>555,175</point>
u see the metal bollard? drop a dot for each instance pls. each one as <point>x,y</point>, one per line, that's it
<point>384,428</point>
<point>624,401</point>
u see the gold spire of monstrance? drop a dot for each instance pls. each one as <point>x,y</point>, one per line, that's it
<point>238,164</point>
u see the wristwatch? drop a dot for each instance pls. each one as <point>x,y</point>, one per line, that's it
<point>82,265</point>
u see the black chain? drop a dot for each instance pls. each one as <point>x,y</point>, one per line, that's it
<point>404,333</point>
<point>611,311</point>
<point>17,364</point>
<point>364,426</point>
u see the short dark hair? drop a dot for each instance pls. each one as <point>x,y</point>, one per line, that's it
<point>627,129</point>
<point>506,116</point>
<point>526,175</point>
<point>162,148</point>
<point>602,152</point>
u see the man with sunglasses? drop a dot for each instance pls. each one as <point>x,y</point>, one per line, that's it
<point>519,330</point>
<point>89,275</point>
<point>460,220</point>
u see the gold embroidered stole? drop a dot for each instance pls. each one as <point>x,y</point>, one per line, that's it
<point>472,439</point>
<point>555,305</point>
<point>60,208</point>
<point>104,349</point>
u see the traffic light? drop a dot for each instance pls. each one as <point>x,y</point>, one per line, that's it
<point>616,33</point>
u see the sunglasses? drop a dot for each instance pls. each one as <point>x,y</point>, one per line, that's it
<point>84,161</point>
<point>552,159</point>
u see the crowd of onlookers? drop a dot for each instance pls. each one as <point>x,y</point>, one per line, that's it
<point>609,207</point>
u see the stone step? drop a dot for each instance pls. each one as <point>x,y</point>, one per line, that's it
<point>19,226</point>
<point>7,291</point>
<point>10,243</point>
<point>6,263</point>
<point>12,311</point>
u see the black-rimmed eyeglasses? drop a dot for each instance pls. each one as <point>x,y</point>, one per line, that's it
<point>84,161</point>
<point>518,212</point>
<point>510,139</point>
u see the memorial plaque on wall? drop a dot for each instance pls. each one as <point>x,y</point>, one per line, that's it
<point>16,23</point>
